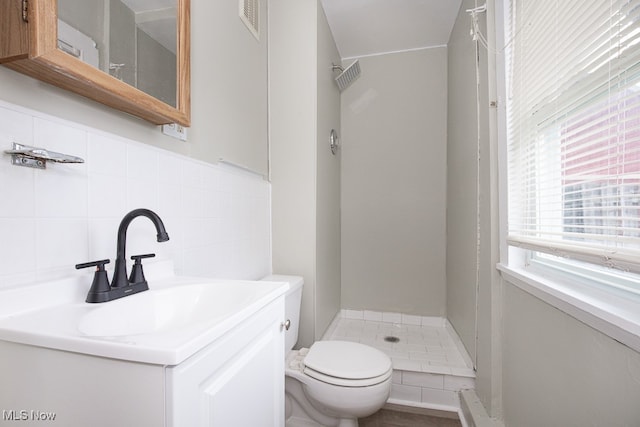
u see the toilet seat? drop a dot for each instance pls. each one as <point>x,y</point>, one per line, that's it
<point>344,382</point>
<point>347,364</point>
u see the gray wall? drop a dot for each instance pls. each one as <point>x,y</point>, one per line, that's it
<point>304,106</point>
<point>394,184</point>
<point>228,93</point>
<point>292,71</point>
<point>560,372</point>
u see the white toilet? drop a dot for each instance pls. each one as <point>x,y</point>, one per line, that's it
<point>332,383</point>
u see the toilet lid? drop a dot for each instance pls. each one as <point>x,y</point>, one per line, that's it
<point>347,360</point>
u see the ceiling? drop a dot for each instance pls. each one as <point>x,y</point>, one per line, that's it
<point>370,27</point>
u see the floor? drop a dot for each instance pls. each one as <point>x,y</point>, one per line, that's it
<point>414,343</point>
<point>388,417</point>
<point>430,364</point>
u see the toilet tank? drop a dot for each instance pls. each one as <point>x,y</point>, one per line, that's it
<point>292,303</point>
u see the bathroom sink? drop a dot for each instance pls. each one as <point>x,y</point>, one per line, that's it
<point>173,320</point>
<point>168,309</point>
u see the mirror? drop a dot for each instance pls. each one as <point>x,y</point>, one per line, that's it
<point>132,55</point>
<point>134,41</point>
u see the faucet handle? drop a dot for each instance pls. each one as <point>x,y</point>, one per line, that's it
<point>100,264</point>
<point>137,274</point>
<point>137,258</point>
<point>100,285</point>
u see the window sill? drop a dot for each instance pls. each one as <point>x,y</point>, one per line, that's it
<point>610,312</point>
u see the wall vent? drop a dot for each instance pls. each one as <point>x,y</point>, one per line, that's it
<point>250,15</point>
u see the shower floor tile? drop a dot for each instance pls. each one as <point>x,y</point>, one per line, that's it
<point>431,347</point>
<point>430,364</point>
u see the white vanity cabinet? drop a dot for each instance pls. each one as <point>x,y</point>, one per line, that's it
<point>236,381</point>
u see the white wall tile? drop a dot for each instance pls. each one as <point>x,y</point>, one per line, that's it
<point>422,379</point>
<point>142,163</point>
<point>211,177</point>
<point>102,239</point>
<point>218,218</point>
<point>142,194</point>
<point>17,189</point>
<point>170,201</point>
<point>396,377</point>
<point>192,202</point>
<point>192,233</point>
<point>60,193</point>
<point>411,320</point>
<point>204,262</point>
<point>432,321</point>
<point>405,392</point>
<point>391,317</point>
<point>15,127</point>
<point>375,316</point>
<point>18,245</point>
<point>107,196</point>
<point>170,169</point>
<point>192,175</point>
<point>250,256</point>
<point>106,155</point>
<point>353,314</point>
<point>210,203</point>
<point>61,242</point>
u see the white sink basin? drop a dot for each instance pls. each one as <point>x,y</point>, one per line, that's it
<point>167,309</point>
<point>168,323</point>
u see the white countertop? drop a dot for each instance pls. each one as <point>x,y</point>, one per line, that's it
<point>177,317</point>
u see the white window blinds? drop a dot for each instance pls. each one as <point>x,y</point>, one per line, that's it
<point>574,129</point>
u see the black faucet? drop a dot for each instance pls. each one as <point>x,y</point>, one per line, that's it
<point>120,272</point>
<point>122,286</point>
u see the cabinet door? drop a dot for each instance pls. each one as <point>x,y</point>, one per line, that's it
<point>237,381</point>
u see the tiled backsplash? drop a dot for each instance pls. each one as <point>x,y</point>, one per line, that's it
<point>218,218</point>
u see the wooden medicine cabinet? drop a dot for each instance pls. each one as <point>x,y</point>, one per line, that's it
<point>127,54</point>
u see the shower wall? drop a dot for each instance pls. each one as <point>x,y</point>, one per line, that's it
<point>394,130</point>
<point>462,179</point>
<point>470,310</point>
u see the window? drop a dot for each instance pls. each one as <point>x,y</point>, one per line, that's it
<point>574,129</point>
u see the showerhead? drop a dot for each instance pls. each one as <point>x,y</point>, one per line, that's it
<point>348,75</point>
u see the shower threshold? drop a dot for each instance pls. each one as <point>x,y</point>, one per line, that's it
<point>430,364</point>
